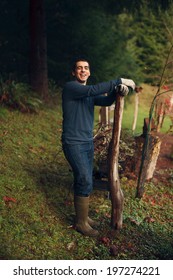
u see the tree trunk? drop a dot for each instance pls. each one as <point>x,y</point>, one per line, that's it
<point>117,197</point>
<point>160,116</point>
<point>38,48</point>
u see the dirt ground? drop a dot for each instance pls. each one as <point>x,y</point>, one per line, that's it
<point>164,166</point>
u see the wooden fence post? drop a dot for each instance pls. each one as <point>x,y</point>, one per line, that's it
<point>104,116</point>
<point>138,90</point>
<point>135,112</point>
<point>116,194</point>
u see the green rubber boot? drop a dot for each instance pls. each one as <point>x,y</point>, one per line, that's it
<point>93,223</point>
<point>81,205</point>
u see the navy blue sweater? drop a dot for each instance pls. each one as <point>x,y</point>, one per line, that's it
<point>78,103</point>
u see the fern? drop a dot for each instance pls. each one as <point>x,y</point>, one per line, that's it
<point>18,96</point>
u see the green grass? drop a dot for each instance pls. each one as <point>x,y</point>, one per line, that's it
<point>36,201</point>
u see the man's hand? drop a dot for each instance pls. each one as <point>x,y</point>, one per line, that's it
<point>121,89</point>
<point>128,83</point>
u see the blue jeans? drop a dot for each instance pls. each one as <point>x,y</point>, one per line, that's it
<point>80,158</point>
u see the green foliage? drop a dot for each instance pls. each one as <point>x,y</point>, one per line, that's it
<point>18,96</point>
<point>125,58</point>
<point>151,46</point>
<point>123,41</point>
<point>54,90</point>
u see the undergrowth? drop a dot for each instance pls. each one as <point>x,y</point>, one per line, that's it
<point>36,201</point>
<point>18,96</point>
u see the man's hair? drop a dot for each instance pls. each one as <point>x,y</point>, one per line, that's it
<point>79,59</point>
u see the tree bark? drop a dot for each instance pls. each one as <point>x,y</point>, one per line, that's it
<point>160,116</point>
<point>117,197</point>
<point>38,48</point>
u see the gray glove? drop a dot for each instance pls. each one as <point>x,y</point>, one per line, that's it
<point>129,83</point>
<point>121,89</point>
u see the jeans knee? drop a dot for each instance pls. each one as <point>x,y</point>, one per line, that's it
<point>83,186</point>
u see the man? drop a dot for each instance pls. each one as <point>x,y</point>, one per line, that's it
<point>78,101</point>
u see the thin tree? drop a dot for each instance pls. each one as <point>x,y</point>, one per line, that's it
<point>38,48</point>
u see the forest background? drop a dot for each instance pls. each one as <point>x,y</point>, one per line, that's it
<point>120,38</point>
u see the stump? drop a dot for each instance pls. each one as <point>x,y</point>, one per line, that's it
<point>150,161</point>
<point>146,162</point>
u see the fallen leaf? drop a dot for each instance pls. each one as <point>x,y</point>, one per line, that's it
<point>107,215</point>
<point>71,245</point>
<point>133,221</point>
<point>149,220</point>
<point>9,199</point>
<point>105,240</point>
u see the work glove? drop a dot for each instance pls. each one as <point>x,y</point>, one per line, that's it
<point>128,82</point>
<point>121,89</point>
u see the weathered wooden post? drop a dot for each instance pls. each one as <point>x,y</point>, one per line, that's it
<point>135,112</point>
<point>116,194</point>
<point>137,91</point>
<point>104,116</point>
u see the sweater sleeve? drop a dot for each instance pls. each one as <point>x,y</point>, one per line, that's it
<point>105,100</point>
<point>77,90</point>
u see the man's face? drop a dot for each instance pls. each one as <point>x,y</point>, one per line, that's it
<point>82,72</point>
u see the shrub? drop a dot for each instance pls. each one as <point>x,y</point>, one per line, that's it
<point>18,96</point>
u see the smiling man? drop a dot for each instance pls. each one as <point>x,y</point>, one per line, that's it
<point>81,71</point>
<point>78,101</point>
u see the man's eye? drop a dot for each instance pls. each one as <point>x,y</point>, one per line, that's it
<point>79,68</point>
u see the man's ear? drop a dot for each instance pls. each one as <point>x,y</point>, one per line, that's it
<point>73,73</point>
